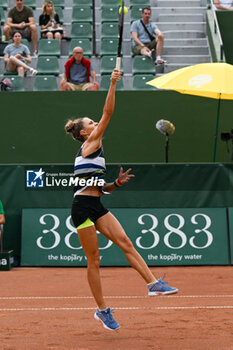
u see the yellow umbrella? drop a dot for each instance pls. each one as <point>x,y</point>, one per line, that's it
<point>214,80</point>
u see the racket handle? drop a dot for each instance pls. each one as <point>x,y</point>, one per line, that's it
<point>118,63</point>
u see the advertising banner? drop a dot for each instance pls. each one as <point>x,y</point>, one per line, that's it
<point>162,236</point>
<point>230,216</point>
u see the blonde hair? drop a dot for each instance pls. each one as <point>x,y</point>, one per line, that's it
<point>74,127</point>
<point>44,8</point>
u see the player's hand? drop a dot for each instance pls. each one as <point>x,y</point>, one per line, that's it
<point>124,177</point>
<point>116,75</point>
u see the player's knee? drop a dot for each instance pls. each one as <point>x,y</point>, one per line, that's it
<point>126,244</point>
<point>93,260</point>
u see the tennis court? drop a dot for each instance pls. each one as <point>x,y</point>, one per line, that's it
<point>52,308</point>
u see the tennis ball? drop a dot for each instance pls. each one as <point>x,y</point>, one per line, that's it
<point>125,10</point>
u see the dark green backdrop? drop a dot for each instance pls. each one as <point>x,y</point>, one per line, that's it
<point>225,21</point>
<point>32,126</point>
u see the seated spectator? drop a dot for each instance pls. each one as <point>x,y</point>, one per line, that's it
<point>223,5</point>
<point>147,39</point>
<point>2,216</point>
<point>2,222</point>
<point>49,22</point>
<point>21,19</point>
<point>17,55</point>
<point>77,73</point>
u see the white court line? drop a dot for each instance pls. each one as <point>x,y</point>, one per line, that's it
<point>117,297</point>
<point>117,308</point>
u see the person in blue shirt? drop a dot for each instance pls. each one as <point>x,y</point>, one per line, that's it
<point>17,55</point>
<point>147,39</point>
<point>78,71</point>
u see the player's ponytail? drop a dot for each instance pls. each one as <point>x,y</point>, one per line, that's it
<point>74,127</point>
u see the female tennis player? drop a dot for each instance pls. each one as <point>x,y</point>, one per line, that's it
<point>89,215</point>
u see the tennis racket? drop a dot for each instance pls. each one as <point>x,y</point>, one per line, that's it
<point>121,27</point>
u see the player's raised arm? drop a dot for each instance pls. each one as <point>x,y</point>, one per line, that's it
<point>108,108</point>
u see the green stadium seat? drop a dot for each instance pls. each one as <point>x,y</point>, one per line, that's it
<point>49,47</point>
<point>108,46</point>
<point>4,4</point>
<point>59,11</point>
<point>139,81</point>
<point>110,14</point>
<point>10,73</point>
<point>30,3</point>
<point>17,81</point>
<point>82,2</point>
<point>136,12</point>
<point>105,82</point>
<point>2,16</point>
<point>45,83</point>
<point>59,3</point>
<point>81,14</point>
<point>81,30</point>
<point>48,65</point>
<point>85,44</point>
<point>143,3</point>
<point>109,30</point>
<point>143,65</point>
<point>108,2</point>
<point>108,63</point>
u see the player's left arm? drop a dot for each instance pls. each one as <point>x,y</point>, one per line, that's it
<point>122,179</point>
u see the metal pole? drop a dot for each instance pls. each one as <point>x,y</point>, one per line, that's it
<point>1,238</point>
<point>166,148</point>
<point>216,130</point>
<point>93,29</point>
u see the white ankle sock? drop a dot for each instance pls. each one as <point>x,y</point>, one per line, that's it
<point>151,283</point>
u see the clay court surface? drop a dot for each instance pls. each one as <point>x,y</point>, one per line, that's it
<point>52,308</point>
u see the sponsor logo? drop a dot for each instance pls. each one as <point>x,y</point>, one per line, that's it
<point>200,79</point>
<point>35,178</point>
<point>42,179</point>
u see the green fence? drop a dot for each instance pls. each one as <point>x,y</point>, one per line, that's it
<point>32,126</point>
<point>225,21</point>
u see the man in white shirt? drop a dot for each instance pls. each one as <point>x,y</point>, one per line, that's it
<point>223,5</point>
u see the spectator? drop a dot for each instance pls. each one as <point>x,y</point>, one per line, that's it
<point>20,18</point>
<point>17,55</point>
<point>49,21</point>
<point>2,222</point>
<point>223,5</point>
<point>147,39</point>
<point>2,216</point>
<point>77,73</point>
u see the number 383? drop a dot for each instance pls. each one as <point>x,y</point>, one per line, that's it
<point>176,233</point>
<point>174,237</point>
